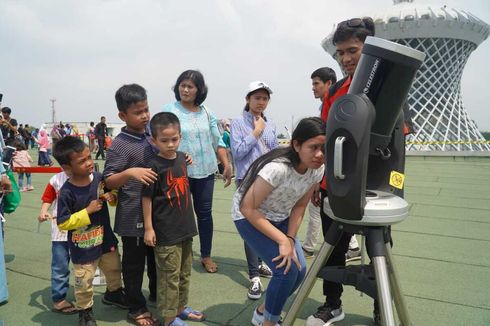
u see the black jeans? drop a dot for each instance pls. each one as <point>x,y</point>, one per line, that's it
<point>135,253</point>
<point>253,261</point>
<point>100,151</point>
<point>333,291</point>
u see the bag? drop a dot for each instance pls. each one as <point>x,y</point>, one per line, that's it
<point>11,200</point>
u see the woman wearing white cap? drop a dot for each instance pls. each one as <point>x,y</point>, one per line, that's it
<point>251,136</point>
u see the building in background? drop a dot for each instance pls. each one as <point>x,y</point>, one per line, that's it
<point>447,36</point>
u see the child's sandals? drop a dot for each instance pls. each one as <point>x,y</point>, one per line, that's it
<point>143,319</point>
<point>190,314</point>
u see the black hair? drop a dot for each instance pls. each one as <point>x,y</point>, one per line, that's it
<point>247,107</point>
<point>128,95</point>
<point>198,79</point>
<point>325,74</point>
<point>19,145</point>
<point>67,146</point>
<point>359,28</point>
<point>92,123</point>
<point>306,129</point>
<point>162,120</point>
<point>6,109</point>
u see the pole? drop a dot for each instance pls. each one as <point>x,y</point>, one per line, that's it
<point>53,111</point>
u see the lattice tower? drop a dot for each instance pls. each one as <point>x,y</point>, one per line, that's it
<point>447,37</point>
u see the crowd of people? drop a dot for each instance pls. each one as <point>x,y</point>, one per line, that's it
<point>160,174</point>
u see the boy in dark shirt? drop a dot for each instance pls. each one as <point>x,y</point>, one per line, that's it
<point>169,221</point>
<point>125,170</point>
<point>83,212</point>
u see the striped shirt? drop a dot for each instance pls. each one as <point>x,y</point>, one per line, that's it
<point>245,148</point>
<point>129,150</point>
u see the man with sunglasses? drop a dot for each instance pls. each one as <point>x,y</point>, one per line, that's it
<point>349,40</point>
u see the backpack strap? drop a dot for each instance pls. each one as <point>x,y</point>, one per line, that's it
<point>335,87</point>
<point>207,113</point>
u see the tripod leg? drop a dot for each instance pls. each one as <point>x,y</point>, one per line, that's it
<point>396,289</point>
<point>308,283</point>
<point>331,239</point>
<point>384,294</point>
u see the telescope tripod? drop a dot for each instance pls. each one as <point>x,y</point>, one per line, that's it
<point>385,274</point>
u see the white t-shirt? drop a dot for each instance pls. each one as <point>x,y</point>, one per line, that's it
<point>289,186</point>
<point>57,181</point>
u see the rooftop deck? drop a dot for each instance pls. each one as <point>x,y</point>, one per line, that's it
<point>442,252</point>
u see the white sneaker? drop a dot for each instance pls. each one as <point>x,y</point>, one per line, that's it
<point>265,271</point>
<point>353,254</point>
<point>325,316</point>
<point>255,289</point>
<point>258,318</point>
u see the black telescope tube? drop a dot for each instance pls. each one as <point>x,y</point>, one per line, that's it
<point>385,74</point>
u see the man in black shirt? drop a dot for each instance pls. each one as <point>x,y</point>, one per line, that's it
<point>8,126</point>
<point>100,133</point>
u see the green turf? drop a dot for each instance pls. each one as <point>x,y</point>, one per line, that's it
<point>441,250</point>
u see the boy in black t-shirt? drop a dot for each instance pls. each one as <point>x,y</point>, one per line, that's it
<point>169,221</point>
<point>83,212</point>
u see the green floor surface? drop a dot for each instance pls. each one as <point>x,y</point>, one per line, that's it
<point>441,251</point>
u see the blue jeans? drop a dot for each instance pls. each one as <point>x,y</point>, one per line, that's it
<point>60,271</point>
<point>280,286</point>
<point>4,292</point>
<point>202,198</point>
<point>21,179</point>
<point>44,159</point>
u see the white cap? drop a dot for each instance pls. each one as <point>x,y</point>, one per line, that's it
<point>255,85</point>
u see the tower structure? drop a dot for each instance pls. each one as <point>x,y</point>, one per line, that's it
<point>53,111</point>
<point>447,37</point>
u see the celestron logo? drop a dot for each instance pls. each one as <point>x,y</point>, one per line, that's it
<point>371,76</point>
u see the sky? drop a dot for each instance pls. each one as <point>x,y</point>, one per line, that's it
<point>81,52</point>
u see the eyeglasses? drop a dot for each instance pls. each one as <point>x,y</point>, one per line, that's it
<point>354,22</point>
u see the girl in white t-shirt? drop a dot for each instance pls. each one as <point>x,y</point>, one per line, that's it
<point>268,208</point>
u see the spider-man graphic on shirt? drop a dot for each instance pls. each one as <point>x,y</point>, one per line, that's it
<point>178,187</point>
<point>172,213</point>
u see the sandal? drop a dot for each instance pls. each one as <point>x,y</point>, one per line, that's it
<point>190,314</point>
<point>209,265</point>
<point>177,322</point>
<point>64,309</point>
<point>144,319</point>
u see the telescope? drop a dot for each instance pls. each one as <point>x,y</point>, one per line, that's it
<point>365,161</point>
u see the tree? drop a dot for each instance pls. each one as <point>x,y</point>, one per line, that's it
<point>486,134</point>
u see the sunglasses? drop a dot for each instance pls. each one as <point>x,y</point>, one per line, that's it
<point>354,22</point>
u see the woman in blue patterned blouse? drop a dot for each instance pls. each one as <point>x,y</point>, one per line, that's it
<point>202,140</point>
<point>251,136</point>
